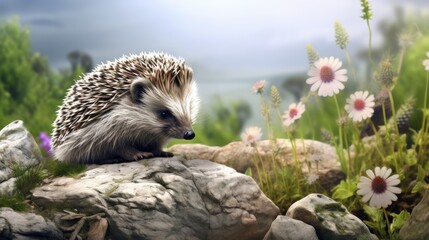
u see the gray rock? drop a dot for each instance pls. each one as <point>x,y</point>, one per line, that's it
<point>331,219</point>
<point>8,187</point>
<point>417,227</point>
<point>166,199</point>
<point>17,146</point>
<point>319,157</point>
<point>15,225</point>
<point>286,228</point>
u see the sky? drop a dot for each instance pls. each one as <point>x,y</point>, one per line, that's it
<point>229,44</point>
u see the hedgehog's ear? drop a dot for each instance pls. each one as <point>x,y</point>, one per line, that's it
<point>138,88</point>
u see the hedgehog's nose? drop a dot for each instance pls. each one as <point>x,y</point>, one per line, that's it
<point>189,135</point>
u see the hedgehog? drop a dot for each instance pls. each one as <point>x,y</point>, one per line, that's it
<point>126,110</point>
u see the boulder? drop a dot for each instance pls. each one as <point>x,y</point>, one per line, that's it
<point>8,187</point>
<point>238,155</point>
<point>166,198</point>
<point>26,226</point>
<point>286,228</point>
<point>314,156</point>
<point>17,147</point>
<point>331,219</point>
<point>417,227</point>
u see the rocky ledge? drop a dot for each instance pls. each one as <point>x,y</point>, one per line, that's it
<point>165,199</point>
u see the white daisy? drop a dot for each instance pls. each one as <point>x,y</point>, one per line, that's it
<point>294,112</point>
<point>426,62</point>
<point>251,135</point>
<point>327,76</point>
<point>379,187</point>
<point>258,87</point>
<point>360,106</point>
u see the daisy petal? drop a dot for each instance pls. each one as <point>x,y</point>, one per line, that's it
<point>367,196</point>
<point>370,174</point>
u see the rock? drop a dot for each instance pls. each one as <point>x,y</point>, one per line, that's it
<point>417,227</point>
<point>166,198</point>
<point>17,146</point>
<point>7,187</point>
<point>331,219</point>
<point>27,226</point>
<point>321,157</point>
<point>286,228</point>
<point>238,155</point>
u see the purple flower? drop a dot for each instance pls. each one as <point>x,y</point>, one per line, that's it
<point>45,142</point>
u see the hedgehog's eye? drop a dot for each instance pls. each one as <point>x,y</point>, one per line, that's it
<point>164,114</point>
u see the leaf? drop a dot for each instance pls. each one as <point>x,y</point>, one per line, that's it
<point>399,220</point>
<point>345,189</point>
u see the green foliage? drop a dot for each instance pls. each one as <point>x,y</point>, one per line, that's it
<point>345,189</point>
<point>28,178</point>
<point>16,202</point>
<point>399,221</point>
<point>394,142</point>
<point>377,222</point>
<point>413,79</point>
<point>29,90</point>
<point>57,168</point>
<point>222,124</point>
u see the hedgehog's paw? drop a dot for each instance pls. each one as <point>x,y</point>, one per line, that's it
<point>142,155</point>
<point>136,155</point>
<point>163,154</point>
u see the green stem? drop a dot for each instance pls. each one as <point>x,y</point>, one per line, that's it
<point>422,132</point>
<point>297,165</point>
<point>401,59</point>
<point>350,64</point>
<point>383,107</point>
<point>340,129</point>
<point>340,149</point>
<point>267,179</point>
<point>392,104</point>
<point>369,42</point>
<point>377,136</point>
<point>387,223</point>
<point>426,91</point>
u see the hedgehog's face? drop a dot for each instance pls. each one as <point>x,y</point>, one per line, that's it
<point>170,113</point>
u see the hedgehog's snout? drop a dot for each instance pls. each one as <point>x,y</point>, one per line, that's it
<point>188,135</point>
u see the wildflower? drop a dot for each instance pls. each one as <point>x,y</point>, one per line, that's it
<point>360,106</point>
<point>45,142</point>
<point>312,55</point>
<point>294,112</point>
<point>426,62</point>
<point>403,116</point>
<point>258,87</point>
<point>366,10</point>
<point>405,39</point>
<point>379,187</point>
<point>251,135</point>
<point>342,121</point>
<point>311,178</point>
<point>326,76</point>
<point>275,96</point>
<point>385,73</point>
<point>341,36</point>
